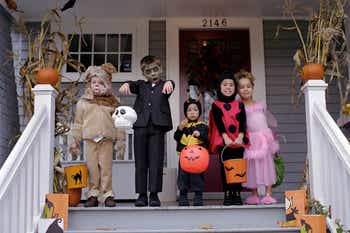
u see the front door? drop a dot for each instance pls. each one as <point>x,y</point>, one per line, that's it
<point>204,56</point>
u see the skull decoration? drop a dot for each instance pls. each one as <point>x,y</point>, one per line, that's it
<point>124,117</point>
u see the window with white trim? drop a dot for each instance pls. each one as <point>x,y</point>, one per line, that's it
<point>96,49</point>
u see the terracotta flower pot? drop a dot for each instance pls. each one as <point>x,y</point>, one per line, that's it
<point>47,75</point>
<point>312,71</point>
<point>74,196</point>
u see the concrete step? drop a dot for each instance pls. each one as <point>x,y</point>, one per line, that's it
<point>171,218</point>
<point>232,230</point>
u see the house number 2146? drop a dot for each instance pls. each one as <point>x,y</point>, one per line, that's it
<point>209,23</point>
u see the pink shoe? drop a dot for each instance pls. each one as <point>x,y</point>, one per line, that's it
<point>268,200</point>
<point>252,200</point>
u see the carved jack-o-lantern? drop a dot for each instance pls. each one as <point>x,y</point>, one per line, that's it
<point>235,170</point>
<point>194,159</point>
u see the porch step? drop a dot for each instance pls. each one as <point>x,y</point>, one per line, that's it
<point>174,219</point>
<point>232,230</point>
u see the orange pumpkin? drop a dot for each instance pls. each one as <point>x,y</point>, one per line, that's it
<point>313,223</point>
<point>312,71</point>
<point>47,75</point>
<point>194,159</point>
<point>74,196</point>
<point>235,170</point>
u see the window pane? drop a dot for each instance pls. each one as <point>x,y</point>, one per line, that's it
<point>86,43</point>
<point>99,45</point>
<point>70,68</point>
<point>99,59</point>
<point>74,46</point>
<point>113,58</point>
<point>113,43</point>
<point>126,43</point>
<point>125,63</point>
<point>86,60</point>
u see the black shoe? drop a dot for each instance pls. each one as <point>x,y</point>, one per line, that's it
<point>228,198</point>
<point>198,199</point>
<point>142,200</point>
<point>236,198</point>
<point>183,199</point>
<point>109,202</point>
<point>154,200</point>
<point>91,202</point>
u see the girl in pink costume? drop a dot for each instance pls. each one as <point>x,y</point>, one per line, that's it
<point>260,154</point>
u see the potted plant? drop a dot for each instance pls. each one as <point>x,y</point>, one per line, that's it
<point>322,54</point>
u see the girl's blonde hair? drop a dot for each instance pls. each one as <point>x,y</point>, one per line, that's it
<point>245,74</point>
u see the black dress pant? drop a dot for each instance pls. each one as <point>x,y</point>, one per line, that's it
<point>149,158</point>
<point>230,153</point>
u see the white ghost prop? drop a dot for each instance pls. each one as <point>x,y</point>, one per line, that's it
<point>124,117</point>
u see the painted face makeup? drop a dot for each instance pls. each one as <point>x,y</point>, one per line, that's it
<point>152,72</point>
<point>192,112</point>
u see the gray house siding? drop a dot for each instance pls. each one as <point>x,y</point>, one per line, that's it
<point>279,65</point>
<point>157,41</point>
<point>8,99</point>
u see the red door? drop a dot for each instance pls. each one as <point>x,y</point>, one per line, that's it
<point>204,55</point>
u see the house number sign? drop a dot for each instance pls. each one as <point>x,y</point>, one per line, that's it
<point>214,22</point>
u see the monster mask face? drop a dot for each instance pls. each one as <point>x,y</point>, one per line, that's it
<point>152,71</point>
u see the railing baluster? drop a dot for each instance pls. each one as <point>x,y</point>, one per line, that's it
<point>7,210</point>
<point>22,191</point>
<point>14,205</point>
<point>30,190</point>
<point>35,179</point>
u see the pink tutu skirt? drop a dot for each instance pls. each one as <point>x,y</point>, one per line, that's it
<point>260,165</point>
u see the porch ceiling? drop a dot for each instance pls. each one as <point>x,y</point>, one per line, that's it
<point>161,8</point>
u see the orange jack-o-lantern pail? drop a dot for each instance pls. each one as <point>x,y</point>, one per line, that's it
<point>235,170</point>
<point>76,176</point>
<point>194,159</point>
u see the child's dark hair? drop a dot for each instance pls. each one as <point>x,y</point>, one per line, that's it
<point>149,59</point>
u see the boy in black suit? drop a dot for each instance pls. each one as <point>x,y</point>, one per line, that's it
<point>153,121</point>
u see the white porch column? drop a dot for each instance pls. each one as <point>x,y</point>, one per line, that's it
<point>314,91</point>
<point>45,96</point>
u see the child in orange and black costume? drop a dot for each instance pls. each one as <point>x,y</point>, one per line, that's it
<point>228,132</point>
<point>191,131</point>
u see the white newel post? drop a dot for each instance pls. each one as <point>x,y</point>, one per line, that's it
<point>314,91</point>
<point>45,96</point>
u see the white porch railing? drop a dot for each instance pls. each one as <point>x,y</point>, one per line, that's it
<point>328,155</point>
<point>26,175</point>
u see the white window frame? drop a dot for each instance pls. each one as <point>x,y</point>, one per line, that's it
<point>137,27</point>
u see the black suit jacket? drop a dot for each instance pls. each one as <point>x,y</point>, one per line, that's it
<point>151,105</point>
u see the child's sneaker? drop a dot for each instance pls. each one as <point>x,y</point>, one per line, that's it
<point>268,200</point>
<point>252,200</point>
